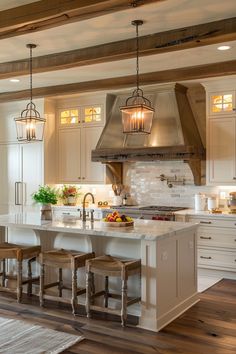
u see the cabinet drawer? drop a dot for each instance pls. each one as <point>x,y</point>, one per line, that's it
<point>214,222</point>
<point>216,237</point>
<point>208,258</point>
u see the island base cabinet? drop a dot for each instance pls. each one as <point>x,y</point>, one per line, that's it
<point>169,279</point>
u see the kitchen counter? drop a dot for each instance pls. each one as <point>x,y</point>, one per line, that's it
<point>142,229</point>
<point>192,212</point>
<point>168,287</point>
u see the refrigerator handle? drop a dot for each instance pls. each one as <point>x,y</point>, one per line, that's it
<point>17,193</point>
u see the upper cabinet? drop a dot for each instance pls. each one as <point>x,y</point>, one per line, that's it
<point>79,127</point>
<point>221,103</point>
<point>221,132</point>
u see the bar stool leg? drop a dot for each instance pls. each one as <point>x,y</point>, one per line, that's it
<point>88,293</point>
<point>106,295</point>
<point>19,281</point>
<point>60,285</point>
<point>3,272</point>
<point>41,285</point>
<point>124,302</point>
<point>29,288</point>
<point>74,291</point>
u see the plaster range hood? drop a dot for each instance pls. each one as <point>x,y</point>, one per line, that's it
<point>174,134</point>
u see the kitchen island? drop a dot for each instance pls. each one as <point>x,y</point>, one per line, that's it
<point>167,250</point>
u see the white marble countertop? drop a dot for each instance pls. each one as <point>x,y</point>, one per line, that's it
<point>192,212</point>
<point>142,229</point>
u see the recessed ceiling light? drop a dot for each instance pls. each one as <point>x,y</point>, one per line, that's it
<point>14,80</point>
<point>224,47</point>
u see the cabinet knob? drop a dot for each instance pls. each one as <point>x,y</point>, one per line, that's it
<point>79,177</point>
<point>234,178</point>
<point>234,109</point>
<point>83,177</point>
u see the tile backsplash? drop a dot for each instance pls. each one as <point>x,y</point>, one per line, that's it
<point>147,188</point>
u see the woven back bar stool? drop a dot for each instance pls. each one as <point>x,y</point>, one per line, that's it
<point>115,267</point>
<point>19,253</point>
<point>62,259</point>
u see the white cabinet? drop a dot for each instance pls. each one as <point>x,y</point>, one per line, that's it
<point>221,132</point>
<point>221,150</point>
<point>20,176</point>
<point>216,239</point>
<point>79,129</point>
<point>69,142</point>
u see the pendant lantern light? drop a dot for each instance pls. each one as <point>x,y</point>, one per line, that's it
<point>137,114</point>
<point>30,126</point>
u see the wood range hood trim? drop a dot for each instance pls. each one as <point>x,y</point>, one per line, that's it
<point>116,157</point>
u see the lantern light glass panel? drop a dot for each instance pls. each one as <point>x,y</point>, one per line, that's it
<point>137,119</point>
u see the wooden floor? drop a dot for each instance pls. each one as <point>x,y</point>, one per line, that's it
<point>208,327</point>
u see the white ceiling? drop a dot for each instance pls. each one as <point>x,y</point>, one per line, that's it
<point>158,17</point>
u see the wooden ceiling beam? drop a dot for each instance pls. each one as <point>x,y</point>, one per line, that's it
<point>44,14</point>
<point>168,41</point>
<point>172,75</point>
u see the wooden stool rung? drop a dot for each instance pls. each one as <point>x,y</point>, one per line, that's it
<point>57,298</point>
<point>99,293</point>
<point>105,310</point>
<point>133,301</point>
<point>51,285</point>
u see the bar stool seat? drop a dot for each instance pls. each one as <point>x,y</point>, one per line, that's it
<point>115,267</point>
<point>19,253</point>
<point>62,259</point>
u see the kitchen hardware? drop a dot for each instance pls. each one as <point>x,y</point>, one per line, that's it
<point>171,180</point>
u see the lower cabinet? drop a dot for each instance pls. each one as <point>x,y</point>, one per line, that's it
<point>216,241</point>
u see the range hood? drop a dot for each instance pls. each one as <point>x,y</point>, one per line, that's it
<point>174,134</point>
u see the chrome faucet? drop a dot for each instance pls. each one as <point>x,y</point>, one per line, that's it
<point>84,211</point>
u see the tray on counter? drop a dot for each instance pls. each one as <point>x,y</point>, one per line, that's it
<point>118,224</point>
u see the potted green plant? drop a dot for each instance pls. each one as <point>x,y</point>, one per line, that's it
<point>46,196</point>
<point>69,194</point>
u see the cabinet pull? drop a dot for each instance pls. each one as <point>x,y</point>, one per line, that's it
<point>234,178</point>
<point>206,257</point>
<point>207,238</point>
<point>65,213</point>
<point>205,222</point>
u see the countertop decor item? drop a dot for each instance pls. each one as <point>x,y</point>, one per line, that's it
<point>137,114</point>
<point>115,219</point>
<point>46,196</point>
<point>30,126</point>
<point>69,195</point>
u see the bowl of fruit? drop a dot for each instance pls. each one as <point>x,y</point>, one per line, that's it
<point>116,219</point>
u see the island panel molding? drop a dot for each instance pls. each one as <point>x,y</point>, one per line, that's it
<point>157,43</point>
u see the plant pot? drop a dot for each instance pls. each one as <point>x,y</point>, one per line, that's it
<point>70,201</point>
<point>46,212</point>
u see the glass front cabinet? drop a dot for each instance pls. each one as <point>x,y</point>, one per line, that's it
<point>79,129</point>
<point>222,103</point>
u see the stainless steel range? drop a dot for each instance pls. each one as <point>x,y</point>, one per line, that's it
<point>151,212</point>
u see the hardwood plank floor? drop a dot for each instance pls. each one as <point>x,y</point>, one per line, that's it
<point>206,328</point>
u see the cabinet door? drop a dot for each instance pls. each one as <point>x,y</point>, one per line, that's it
<point>10,161</point>
<point>221,150</point>
<point>221,103</point>
<point>69,152</point>
<point>32,172</point>
<point>92,172</point>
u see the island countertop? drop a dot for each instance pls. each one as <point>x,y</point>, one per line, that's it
<point>142,229</point>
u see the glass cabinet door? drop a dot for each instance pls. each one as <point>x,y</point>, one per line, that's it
<point>222,103</point>
<point>92,114</point>
<point>69,117</point>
